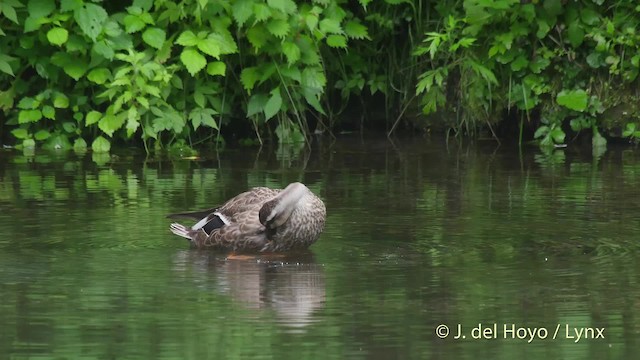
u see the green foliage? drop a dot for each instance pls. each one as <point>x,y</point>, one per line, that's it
<point>573,100</point>
<point>100,145</point>
<point>159,71</point>
<point>631,131</point>
<point>522,48</point>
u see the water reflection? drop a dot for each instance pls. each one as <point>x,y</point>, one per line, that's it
<point>293,286</point>
<point>418,234</point>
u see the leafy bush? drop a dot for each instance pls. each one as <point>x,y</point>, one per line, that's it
<point>560,58</point>
<point>162,71</point>
<point>167,74</point>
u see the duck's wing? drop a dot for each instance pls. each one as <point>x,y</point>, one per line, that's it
<point>197,215</point>
<point>246,203</point>
<point>242,208</point>
<point>208,220</point>
<point>246,233</point>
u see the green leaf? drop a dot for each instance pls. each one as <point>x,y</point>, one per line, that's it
<point>573,99</point>
<point>41,135</point>
<point>311,20</point>
<point>630,129</point>
<point>291,51</point>
<point>70,5</point>
<point>242,11</point>
<point>261,12</point>
<point>595,60</point>
<point>40,8</point>
<point>312,99</point>
<point>193,60</point>
<point>132,121</point>
<point>256,104</point>
<point>187,38</point>
<point>225,42</point>
<point>278,28</point>
<point>112,28</point>
<point>576,124</point>
<point>154,37</point>
<point>60,101</point>
<point>92,117</point>
<point>57,36</point>
<point>28,103</point>
<point>20,133</point>
<point>203,116</point>
<point>99,75</point>
<point>90,17</point>
<point>32,24</point>
<point>49,112</point>
<point>337,41</point>
<point>286,6</point>
<point>5,67</point>
<point>257,36</point>
<point>27,116</point>
<point>589,16</point>
<point>575,34</point>
<point>485,72</point>
<point>110,123</point>
<point>103,48</point>
<point>75,69</point>
<point>308,50</point>
<point>101,145</point>
<point>72,66</point>
<point>28,143</point>
<point>133,23</point>
<point>152,90</point>
<point>292,73</point>
<point>145,5</point>
<point>330,26</point>
<point>519,63</point>
<point>538,64</point>
<point>248,77</point>
<point>216,68</point>
<point>143,101</point>
<point>273,105</point>
<point>355,30</point>
<point>198,97</point>
<point>10,13</point>
<point>69,126</point>
<point>313,78</point>
<point>147,18</point>
<point>210,47</point>
<point>553,7</point>
<point>168,119</point>
<point>541,131</point>
<point>543,28</point>
<point>557,134</point>
<point>79,145</point>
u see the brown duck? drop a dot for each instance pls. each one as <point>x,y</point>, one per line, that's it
<point>258,220</point>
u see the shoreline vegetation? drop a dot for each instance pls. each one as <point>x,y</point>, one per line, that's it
<point>161,74</point>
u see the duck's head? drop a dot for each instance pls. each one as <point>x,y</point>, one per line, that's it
<point>276,211</point>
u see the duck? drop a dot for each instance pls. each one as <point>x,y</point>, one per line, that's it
<point>261,219</point>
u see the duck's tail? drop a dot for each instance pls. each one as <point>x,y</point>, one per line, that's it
<point>181,230</point>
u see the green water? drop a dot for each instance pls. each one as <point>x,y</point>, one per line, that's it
<point>418,235</point>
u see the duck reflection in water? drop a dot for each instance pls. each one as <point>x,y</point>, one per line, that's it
<point>292,285</point>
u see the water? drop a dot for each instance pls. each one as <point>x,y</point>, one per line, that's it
<point>419,234</point>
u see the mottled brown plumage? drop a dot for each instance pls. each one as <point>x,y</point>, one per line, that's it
<point>261,219</point>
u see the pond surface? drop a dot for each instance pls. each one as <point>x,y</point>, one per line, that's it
<point>419,234</point>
